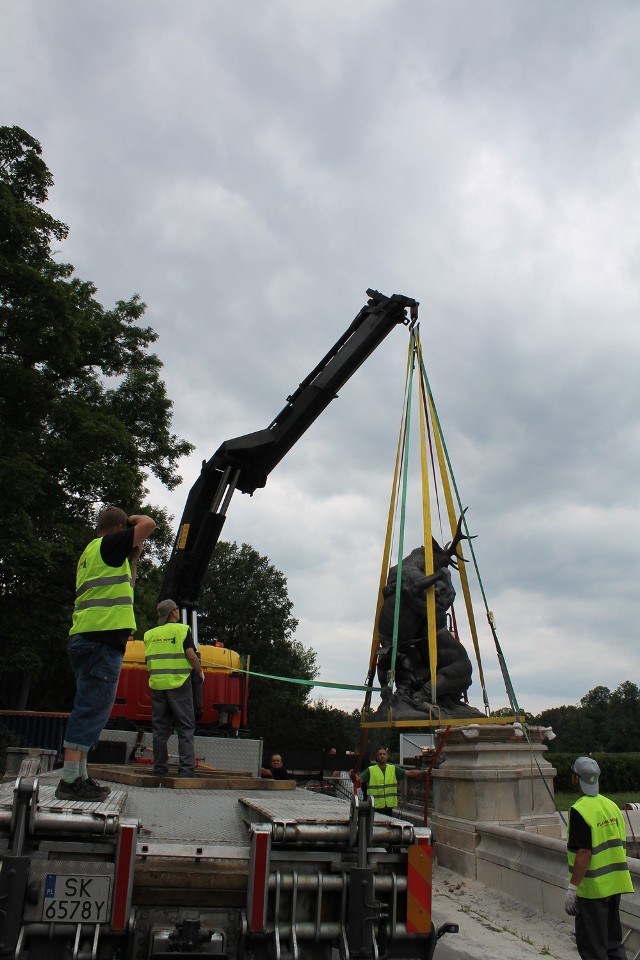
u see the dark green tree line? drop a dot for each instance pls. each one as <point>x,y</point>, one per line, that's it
<point>84,419</point>
<point>604,721</point>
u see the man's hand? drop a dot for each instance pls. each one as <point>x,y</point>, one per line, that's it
<point>571,900</point>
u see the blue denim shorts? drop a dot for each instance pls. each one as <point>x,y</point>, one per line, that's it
<point>97,668</point>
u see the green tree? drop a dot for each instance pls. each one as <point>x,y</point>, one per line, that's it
<point>244,604</point>
<point>324,726</point>
<point>84,419</point>
<point>572,729</point>
<point>622,731</point>
<point>594,716</point>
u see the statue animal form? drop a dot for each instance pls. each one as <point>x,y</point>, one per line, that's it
<point>412,671</point>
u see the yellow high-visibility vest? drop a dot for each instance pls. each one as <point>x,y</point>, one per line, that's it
<point>608,873</point>
<point>383,786</point>
<point>164,653</point>
<point>104,595</point>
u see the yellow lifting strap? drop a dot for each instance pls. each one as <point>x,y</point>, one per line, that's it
<point>428,416</point>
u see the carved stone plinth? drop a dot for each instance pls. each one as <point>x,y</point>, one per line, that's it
<point>490,773</point>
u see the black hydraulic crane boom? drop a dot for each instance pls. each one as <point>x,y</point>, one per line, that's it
<point>245,463</point>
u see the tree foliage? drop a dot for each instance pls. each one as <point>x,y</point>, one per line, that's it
<point>322,727</point>
<point>84,419</point>
<point>244,604</point>
<point>604,721</point>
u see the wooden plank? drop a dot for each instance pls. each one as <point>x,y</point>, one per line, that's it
<point>130,775</point>
<point>231,782</point>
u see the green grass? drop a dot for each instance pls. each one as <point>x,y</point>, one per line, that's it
<point>565,800</point>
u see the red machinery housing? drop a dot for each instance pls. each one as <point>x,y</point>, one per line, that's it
<point>224,691</point>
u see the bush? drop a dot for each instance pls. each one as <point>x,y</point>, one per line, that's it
<point>620,772</point>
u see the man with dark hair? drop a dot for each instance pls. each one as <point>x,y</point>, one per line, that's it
<point>103,620</point>
<point>381,781</point>
<point>598,872</point>
<point>171,658</point>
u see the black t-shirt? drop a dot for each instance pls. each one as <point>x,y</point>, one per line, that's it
<point>116,547</point>
<point>579,837</point>
<point>114,550</point>
<point>280,773</point>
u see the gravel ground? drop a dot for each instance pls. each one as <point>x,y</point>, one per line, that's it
<point>493,925</point>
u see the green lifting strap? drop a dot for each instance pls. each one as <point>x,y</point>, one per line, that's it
<point>403,511</point>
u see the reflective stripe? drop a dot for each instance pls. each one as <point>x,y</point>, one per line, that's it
<point>106,602</point>
<point>609,868</point>
<point>102,582</point>
<point>161,656</point>
<point>605,846</point>
<point>170,673</point>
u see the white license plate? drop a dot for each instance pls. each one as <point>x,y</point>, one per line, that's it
<point>76,899</point>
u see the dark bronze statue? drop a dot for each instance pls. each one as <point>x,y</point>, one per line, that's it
<point>413,693</point>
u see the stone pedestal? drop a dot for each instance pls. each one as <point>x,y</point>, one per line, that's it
<point>490,774</point>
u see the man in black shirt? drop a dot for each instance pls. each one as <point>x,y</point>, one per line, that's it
<point>103,619</point>
<point>276,770</point>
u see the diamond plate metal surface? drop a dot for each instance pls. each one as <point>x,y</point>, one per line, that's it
<point>224,753</point>
<point>47,799</point>
<point>197,816</point>
<point>193,816</point>
<point>298,806</point>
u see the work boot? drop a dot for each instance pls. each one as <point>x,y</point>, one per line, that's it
<point>105,790</point>
<point>79,789</point>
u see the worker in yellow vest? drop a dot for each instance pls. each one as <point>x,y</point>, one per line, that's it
<point>171,657</point>
<point>103,619</point>
<point>381,781</point>
<point>598,872</point>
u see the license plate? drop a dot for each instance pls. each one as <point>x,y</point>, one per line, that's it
<point>76,899</point>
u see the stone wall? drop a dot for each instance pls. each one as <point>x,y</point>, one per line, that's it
<point>493,819</point>
<point>533,869</point>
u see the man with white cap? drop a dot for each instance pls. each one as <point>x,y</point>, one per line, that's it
<point>171,657</point>
<point>598,872</point>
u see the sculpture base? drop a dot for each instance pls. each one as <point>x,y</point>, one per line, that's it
<point>447,710</point>
<point>490,774</point>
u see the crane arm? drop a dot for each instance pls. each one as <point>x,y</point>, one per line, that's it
<point>245,463</point>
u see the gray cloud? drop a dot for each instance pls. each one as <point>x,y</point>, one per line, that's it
<point>251,169</point>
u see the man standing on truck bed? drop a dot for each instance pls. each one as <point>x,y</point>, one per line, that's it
<point>171,657</point>
<point>103,619</point>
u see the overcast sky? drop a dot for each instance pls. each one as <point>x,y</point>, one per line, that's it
<point>251,168</point>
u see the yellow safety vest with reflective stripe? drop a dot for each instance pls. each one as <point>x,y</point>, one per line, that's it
<point>608,873</point>
<point>383,786</point>
<point>164,652</point>
<point>104,594</point>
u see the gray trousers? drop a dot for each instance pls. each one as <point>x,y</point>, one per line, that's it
<point>169,709</point>
<point>598,929</point>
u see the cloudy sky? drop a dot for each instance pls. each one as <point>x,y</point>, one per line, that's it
<point>252,167</point>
